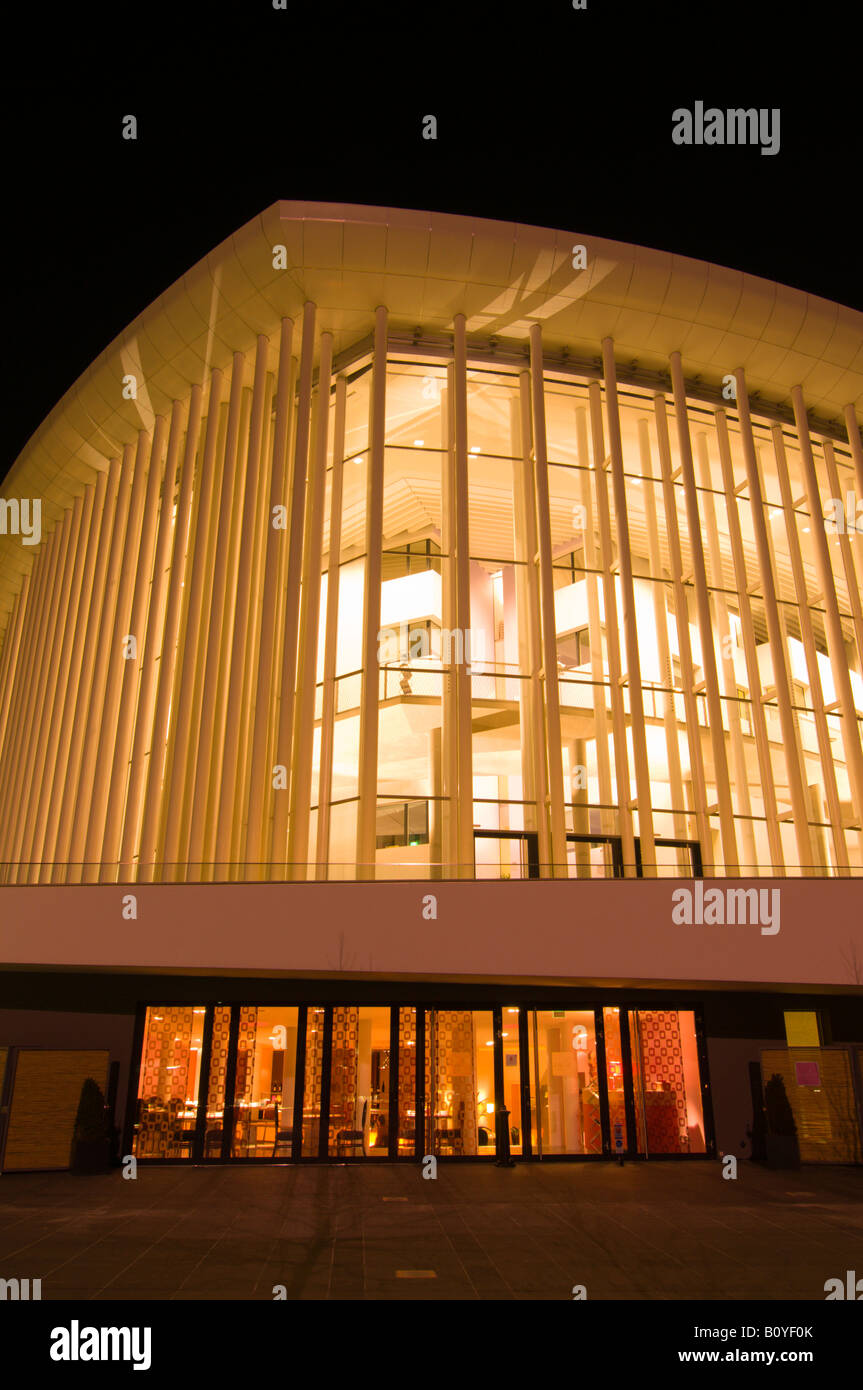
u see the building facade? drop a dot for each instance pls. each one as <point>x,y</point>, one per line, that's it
<point>431,685</point>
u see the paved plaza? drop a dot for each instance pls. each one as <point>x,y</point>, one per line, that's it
<point>643,1231</point>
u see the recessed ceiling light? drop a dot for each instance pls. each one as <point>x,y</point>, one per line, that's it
<point>418,443</point>
<point>475,449</point>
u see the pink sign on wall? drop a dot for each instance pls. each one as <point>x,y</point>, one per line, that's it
<point>808,1073</point>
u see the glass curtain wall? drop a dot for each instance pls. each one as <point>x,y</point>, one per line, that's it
<point>567,1088</point>
<point>734,716</point>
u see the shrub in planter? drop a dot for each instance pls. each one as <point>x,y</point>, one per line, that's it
<point>91,1147</point>
<point>783,1149</point>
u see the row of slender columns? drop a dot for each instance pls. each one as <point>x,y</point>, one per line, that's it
<point>173,750</point>
<point>20,791</point>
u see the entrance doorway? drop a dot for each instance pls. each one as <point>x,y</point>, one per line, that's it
<point>364,1082</point>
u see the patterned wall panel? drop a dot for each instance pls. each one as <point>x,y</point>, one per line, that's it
<point>343,1117</point>
<point>312,1080</point>
<point>407,1081</point>
<point>217,1080</point>
<point>169,1080</point>
<point>451,1082</point>
<point>664,1087</point>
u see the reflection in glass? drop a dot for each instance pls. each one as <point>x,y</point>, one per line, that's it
<point>565,1116</point>
<point>167,1110</point>
<point>666,1081</point>
<point>614,1077</point>
<point>512,1077</point>
<point>360,1083</point>
<point>459,1082</point>
<point>407,1082</point>
<point>313,1079</point>
<point>264,1090</point>
<point>216,1082</point>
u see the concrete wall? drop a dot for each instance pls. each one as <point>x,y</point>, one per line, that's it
<point>38,1028</point>
<point>593,932</point>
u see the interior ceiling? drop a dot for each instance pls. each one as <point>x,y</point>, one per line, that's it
<point>413,506</point>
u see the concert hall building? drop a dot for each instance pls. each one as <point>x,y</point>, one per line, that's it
<point>431,693</point>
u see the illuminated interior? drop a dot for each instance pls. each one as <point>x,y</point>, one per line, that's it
<point>534,1076</point>
<point>521,617</point>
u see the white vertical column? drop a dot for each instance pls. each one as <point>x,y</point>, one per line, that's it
<point>705,627</point>
<point>110,769</point>
<point>463,683</point>
<point>684,641</point>
<point>609,591</point>
<point>449,734</point>
<point>206,781</point>
<point>532,711</point>
<point>719,606</point>
<point>226,802</point>
<point>832,621</point>
<point>284,731</point>
<point>370,688</point>
<point>172,762</point>
<point>70,632</point>
<point>796,791</point>
<point>252,649</point>
<point>856,445</point>
<point>557,816</point>
<point>159,666</point>
<point>274,542</point>
<point>328,702</point>
<point>55,548</point>
<point>11,657</point>
<point>630,617</point>
<point>12,768</point>
<point>49,711</point>
<point>597,663</point>
<point>782,676</point>
<point>107,585</point>
<point>116,674</point>
<point>13,747</point>
<point>304,714</point>
<point>807,637</point>
<point>104,509</point>
<point>845,550</point>
<point>660,618</point>
<point>742,584</point>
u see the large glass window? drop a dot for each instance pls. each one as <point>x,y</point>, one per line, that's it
<point>313,1082</point>
<point>266,1078</point>
<point>459,1082</point>
<point>167,1109</point>
<point>512,1077</point>
<point>565,1115</point>
<point>360,1083</point>
<point>666,1081</point>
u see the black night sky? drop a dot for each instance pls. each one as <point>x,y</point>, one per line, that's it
<point>546,115</point>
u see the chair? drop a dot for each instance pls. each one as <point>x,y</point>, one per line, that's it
<point>284,1135</point>
<point>213,1140</point>
<point>183,1139</point>
<point>350,1138</point>
<point>452,1138</point>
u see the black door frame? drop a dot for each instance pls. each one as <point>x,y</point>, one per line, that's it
<point>626,1006</point>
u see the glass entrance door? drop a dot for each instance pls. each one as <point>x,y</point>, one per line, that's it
<point>666,1082</point>
<point>565,1102</point>
<point>359,1092</point>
